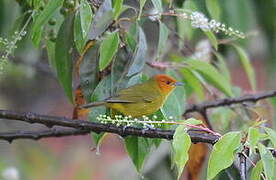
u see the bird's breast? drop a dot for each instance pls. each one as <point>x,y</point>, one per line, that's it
<point>138,109</point>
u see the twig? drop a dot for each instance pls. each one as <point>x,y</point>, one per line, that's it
<point>203,129</point>
<point>253,164</point>
<point>203,107</point>
<point>205,116</point>
<point>84,127</point>
<point>196,135</point>
<point>81,126</point>
<point>229,101</point>
<point>273,151</point>
<point>243,167</point>
<point>36,135</point>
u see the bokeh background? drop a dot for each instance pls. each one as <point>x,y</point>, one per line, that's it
<point>28,84</point>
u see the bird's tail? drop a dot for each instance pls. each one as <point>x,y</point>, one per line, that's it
<point>93,104</point>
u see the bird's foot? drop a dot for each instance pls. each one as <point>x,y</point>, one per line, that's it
<point>148,127</point>
<point>125,127</point>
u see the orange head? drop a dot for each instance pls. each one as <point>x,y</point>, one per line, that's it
<point>166,83</point>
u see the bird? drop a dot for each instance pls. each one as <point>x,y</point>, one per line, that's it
<point>140,99</point>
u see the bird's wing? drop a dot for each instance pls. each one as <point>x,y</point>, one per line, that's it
<point>114,100</point>
<point>129,95</point>
<point>130,98</point>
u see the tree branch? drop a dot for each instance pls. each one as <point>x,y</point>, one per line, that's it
<point>243,166</point>
<point>84,127</point>
<point>36,135</point>
<point>205,116</point>
<point>228,101</point>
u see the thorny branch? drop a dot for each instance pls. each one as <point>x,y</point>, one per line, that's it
<point>80,127</point>
<point>84,127</point>
<point>203,107</point>
<point>36,135</point>
<point>229,101</point>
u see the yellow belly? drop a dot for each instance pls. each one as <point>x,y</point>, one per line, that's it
<point>136,109</point>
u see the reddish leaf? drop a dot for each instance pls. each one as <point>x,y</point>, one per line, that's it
<point>79,100</point>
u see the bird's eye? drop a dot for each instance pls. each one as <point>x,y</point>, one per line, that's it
<point>168,82</point>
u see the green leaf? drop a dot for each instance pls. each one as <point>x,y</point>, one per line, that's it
<point>172,107</point>
<point>211,36</point>
<point>78,35</point>
<point>184,28</point>
<point>246,65</point>
<point>272,135</point>
<point>108,48</point>
<point>51,46</point>
<point>85,16</point>
<point>101,92</point>
<point>82,23</point>
<point>163,37</point>
<point>256,171</point>
<point>268,162</point>
<point>157,5</point>
<point>181,144</point>
<point>139,59</point>
<point>118,4</point>
<point>239,14</point>
<point>221,117</point>
<point>119,69</point>
<point>211,75</point>
<point>134,80</point>
<point>138,148</point>
<point>63,55</point>
<point>191,80</point>
<point>102,19</point>
<point>175,103</point>
<point>43,18</point>
<point>221,64</point>
<point>253,137</point>
<point>192,121</point>
<point>35,3</point>
<point>88,71</point>
<point>130,41</point>
<point>222,155</point>
<point>213,8</point>
<point>142,3</point>
<point>18,23</point>
<point>127,7</point>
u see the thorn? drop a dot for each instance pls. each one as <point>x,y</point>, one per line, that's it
<point>149,127</point>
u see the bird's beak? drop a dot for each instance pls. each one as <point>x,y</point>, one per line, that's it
<point>178,84</point>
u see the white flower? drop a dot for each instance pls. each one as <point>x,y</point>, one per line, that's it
<point>199,21</point>
<point>10,173</point>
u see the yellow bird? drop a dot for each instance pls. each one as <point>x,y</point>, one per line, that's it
<point>140,99</point>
